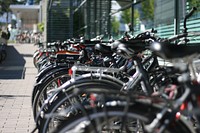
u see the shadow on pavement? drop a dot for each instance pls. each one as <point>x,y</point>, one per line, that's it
<point>13,66</point>
<point>27,55</point>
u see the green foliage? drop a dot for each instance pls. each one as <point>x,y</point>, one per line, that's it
<point>126,16</point>
<point>115,25</point>
<point>136,16</point>
<point>37,1</point>
<point>41,26</point>
<point>194,3</point>
<point>148,9</point>
<point>5,5</point>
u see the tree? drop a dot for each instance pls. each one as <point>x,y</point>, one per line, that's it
<point>147,8</point>
<point>5,5</point>
<point>115,25</point>
<point>37,1</point>
<point>126,16</point>
<point>194,3</point>
<point>5,8</point>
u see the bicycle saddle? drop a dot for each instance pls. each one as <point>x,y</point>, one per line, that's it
<point>170,51</point>
<point>103,48</point>
<point>128,49</point>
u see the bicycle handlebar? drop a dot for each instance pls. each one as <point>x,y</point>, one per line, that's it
<point>185,33</point>
<point>175,37</point>
<point>187,16</point>
<point>191,12</point>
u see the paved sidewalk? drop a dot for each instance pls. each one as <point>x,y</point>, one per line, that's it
<point>17,76</point>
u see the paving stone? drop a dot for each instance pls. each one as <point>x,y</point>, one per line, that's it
<point>8,130</point>
<point>15,91</point>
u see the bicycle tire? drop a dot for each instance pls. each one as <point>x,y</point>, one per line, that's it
<point>42,90</point>
<point>71,125</point>
<point>145,110</point>
<point>61,98</point>
<point>35,56</point>
<point>45,74</point>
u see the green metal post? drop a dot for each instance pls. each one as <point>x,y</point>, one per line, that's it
<point>95,17</point>
<point>176,18</point>
<point>71,20</point>
<point>132,18</point>
<point>100,16</point>
<point>109,18</point>
<point>88,19</point>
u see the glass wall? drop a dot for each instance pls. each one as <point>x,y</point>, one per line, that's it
<point>59,20</point>
<point>193,23</point>
<point>166,16</point>
<point>91,18</point>
<point>158,14</point>
<point>94,17</point>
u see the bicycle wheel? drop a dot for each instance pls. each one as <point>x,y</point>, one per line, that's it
<point>51,68</point>
<point>113,111</point>
<point>115,120</point>
<point>103,109</point>
<point>62,101</point>
<point>44,74</point>
<point>49,84</point>
<point>35,57</point>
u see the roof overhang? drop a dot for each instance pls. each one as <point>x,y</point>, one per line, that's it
<point>25,7</point>
<point>26,11</point>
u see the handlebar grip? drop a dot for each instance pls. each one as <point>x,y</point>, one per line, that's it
<point>191,12</point>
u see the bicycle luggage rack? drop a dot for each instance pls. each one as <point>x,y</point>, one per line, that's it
<point>92,69</point>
